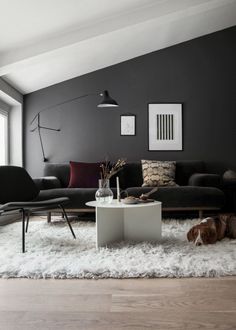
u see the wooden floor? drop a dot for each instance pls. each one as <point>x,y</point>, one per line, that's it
<point>118,304</point>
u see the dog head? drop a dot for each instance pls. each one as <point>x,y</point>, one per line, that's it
<point>203,233</point>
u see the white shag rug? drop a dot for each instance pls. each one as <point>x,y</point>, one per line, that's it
<point>53,253</point>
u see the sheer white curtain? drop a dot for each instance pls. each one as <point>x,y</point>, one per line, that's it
<point>3,137</point>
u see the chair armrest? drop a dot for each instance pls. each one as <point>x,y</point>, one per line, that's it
<point>47,182</point>
<point>205,180</point>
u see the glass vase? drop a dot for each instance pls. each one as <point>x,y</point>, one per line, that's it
<point>104,194</point>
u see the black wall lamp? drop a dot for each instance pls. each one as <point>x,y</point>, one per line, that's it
<point>107,101</point>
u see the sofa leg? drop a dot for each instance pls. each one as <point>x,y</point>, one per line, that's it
<point>49,217</point>
<point>200,214</point>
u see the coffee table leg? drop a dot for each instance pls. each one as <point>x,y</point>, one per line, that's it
<point>142,224</point>
<point>109,225</point>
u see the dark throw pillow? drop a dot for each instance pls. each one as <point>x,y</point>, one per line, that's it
<point>84,175</point>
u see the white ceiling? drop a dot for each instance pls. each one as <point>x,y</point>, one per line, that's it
<point>48,41</point>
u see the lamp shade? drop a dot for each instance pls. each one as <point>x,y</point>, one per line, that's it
<point>107,101</point>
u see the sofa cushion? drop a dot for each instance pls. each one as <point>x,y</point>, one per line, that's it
<point>131,175</point>
<point>78,196</point>
<point>84,175</point>
<point>184,196</point>
<point>205,180</point>
<point>61,171</point>
<point>185,168</point>
<point>158,173</point>
<point>47,182</point>
<point>171,197</point>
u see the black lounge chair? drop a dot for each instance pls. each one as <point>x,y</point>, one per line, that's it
<point>18,193</point>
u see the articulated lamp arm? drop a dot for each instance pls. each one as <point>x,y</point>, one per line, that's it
<point>61,103</point>
<point>107,102</point>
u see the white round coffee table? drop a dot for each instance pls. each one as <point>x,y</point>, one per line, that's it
<point>118,221</point>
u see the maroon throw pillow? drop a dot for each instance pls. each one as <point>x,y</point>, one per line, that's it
<point>84,175</point>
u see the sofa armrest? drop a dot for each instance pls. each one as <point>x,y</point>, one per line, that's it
<point>205,180</point>
<point>47,182</point>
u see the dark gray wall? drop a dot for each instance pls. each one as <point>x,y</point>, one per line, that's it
<point>200,73</point>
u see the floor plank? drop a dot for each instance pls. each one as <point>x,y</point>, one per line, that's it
<point>56,303</point>
<point>198,302</point>
<point>140,304</point>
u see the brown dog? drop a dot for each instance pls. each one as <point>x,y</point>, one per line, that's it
<point>210,230</point>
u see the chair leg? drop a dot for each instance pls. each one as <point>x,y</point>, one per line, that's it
<point>27,222</point>
<point>200,214</point>
<point>67,220</point>
<point>49,217</point>
<point>23,231</point>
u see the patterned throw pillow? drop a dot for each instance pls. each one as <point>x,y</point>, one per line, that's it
<point>158,173</point>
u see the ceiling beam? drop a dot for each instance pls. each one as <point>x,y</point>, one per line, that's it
<point>29,55</point>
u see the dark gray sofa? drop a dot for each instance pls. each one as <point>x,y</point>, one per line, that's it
<point>197,190</point>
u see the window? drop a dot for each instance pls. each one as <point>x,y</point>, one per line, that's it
<point>3,137</point>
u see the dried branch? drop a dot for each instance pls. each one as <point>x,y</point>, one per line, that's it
<point>107,170</point>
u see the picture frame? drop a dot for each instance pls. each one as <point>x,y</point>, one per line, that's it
<point>165,131</point>
<point>127,125</point>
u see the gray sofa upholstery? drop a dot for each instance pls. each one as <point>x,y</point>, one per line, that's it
<point>196,190</point>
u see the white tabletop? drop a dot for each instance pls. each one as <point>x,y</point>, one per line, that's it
<point>116,204</point>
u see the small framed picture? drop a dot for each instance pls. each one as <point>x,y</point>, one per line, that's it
<point>128,125</point>
<point>165,126</point>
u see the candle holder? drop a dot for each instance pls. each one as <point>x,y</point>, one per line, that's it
<point>118,189</point>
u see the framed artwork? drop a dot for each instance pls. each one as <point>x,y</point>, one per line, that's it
<point>165,126</point>
<point>128,125</point>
